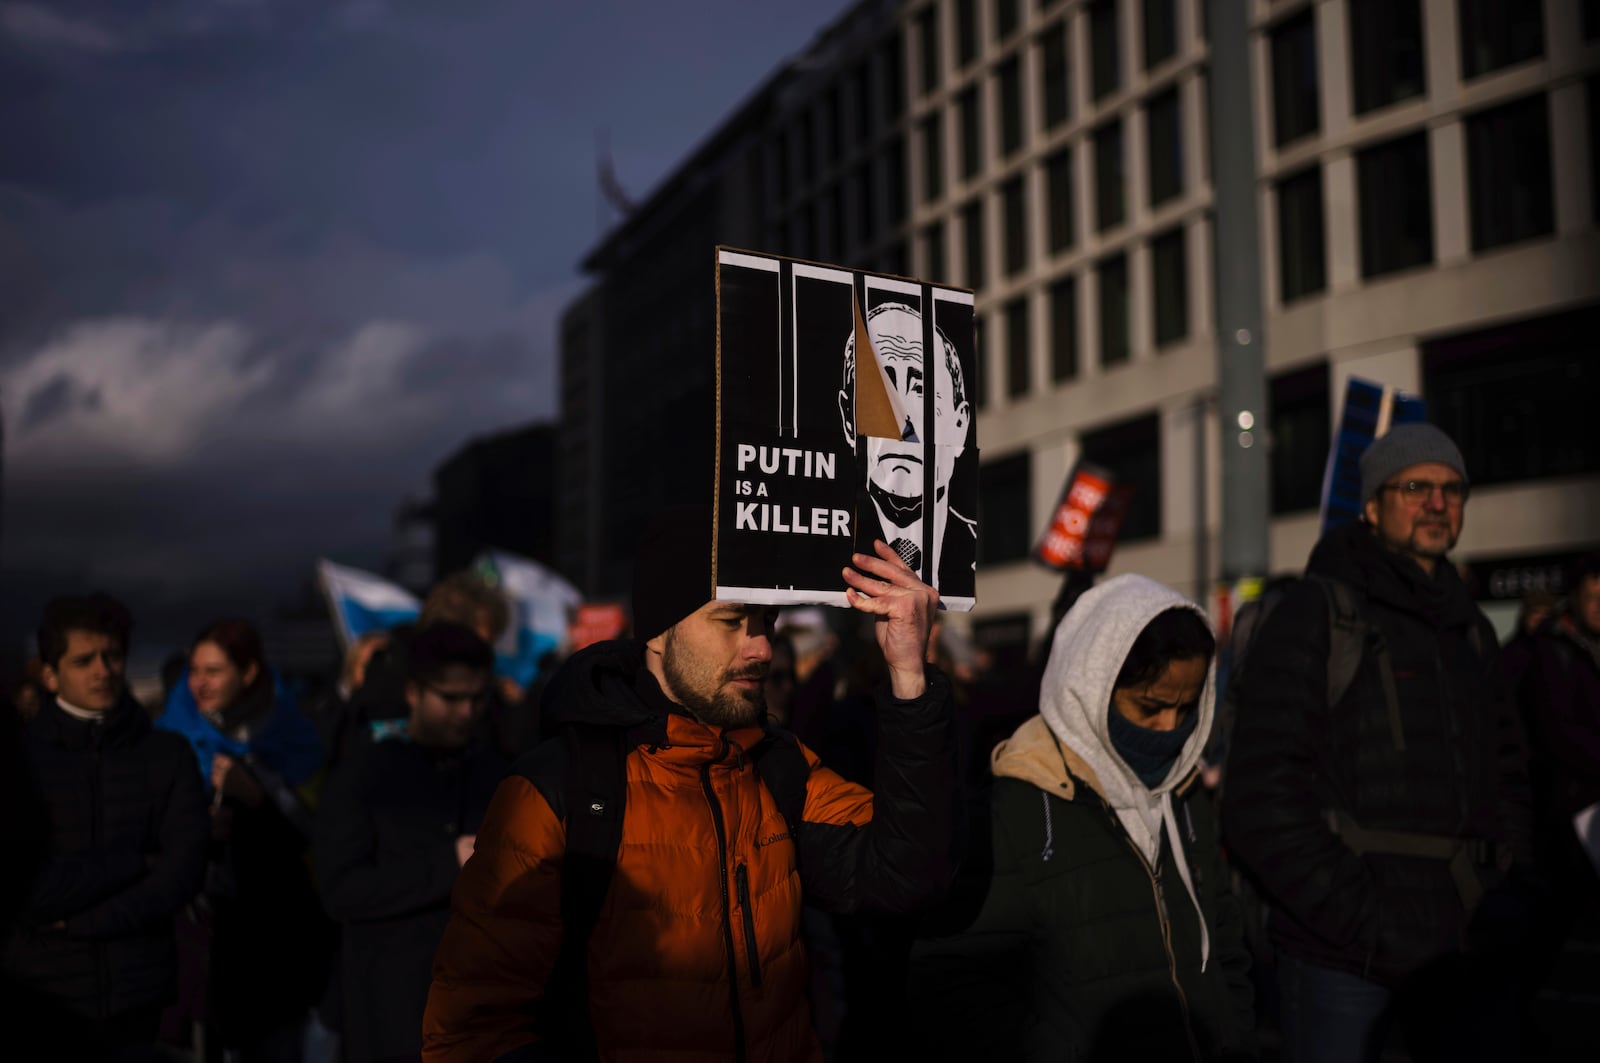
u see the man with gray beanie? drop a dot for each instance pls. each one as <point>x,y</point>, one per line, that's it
<point>1376,787</point>
<point>678,934</point>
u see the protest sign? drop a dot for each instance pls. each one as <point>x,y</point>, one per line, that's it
<point>1083,530</point>
<point>1370,410</point>
<point>827,437</point>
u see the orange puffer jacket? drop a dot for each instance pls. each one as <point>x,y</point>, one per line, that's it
<point>697,952</point>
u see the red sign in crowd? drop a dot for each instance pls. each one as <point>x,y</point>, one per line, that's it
<point>1084,530</point>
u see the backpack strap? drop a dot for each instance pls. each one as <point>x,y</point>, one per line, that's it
<point>1348,636</point>
<point>782,768</point>
<point>590,796</point>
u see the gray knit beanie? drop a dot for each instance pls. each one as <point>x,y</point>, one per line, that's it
<point>1406,445</point>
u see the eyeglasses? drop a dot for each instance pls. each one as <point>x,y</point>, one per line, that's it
<point>1416,492</point>
<point>476,699</point>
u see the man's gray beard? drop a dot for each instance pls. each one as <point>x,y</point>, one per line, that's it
<point>723,709</point>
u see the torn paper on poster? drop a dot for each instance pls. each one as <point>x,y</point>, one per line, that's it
<point>835,428</point>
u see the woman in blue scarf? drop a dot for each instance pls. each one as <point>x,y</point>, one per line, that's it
<point>271,943</point>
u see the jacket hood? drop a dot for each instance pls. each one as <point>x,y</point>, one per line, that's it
<point>1087,653</point>
<point>597,685</point>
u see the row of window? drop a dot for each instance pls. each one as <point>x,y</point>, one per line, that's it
<point>1509,189</point>
<point>847,117</point>
<point>1388,51</point>
<point>1517,399</point>
<point>1169,287</point>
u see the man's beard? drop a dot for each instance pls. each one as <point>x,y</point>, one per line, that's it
<point>708,700</point>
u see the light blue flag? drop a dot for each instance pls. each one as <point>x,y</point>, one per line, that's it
<point>541,604</point>
<point>361,602</point>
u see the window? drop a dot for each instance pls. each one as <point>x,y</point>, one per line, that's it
<point>1064,329</point>
<point>866,214</point>
<point>1017,347</point>
<point>972,228</point>
<point>1393,183</point>
<point>1302,258</point>
<point>1160,32</point>
<point>1105,60</point>
<point>839,220</point>
<point>933,253</point>
<point>1055,87</point>
<point>832,120</point>
<point>1005,512</point>
<point>894,167</point>
<point>1012,196</point>
<point>1009,101</point>
<point>1508,173</point>
<point>1386,52</point>
<point>1294,78</point>
<point>894,78</point>
<point>1164,147</point>
<point>966,31</point>
<point>1058,176</point>
<point>1108,176</point>
<point>1169,275</point>
<point>1301,427</point>
<point>1005,18</point>
<point>862,90</point>
<point>780,164</point>
<point>1112,274</point>
<point>971,134</point>
<point>1497,33</point>
<point>933,157</point>
<point>1519,399</point>
<point>928,47</point>
<point>1131,450</point>
<point>805,237</point>
<point>980,385</point>
<point>897,260</point>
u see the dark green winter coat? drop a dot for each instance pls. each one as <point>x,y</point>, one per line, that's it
<point>1082,950</point>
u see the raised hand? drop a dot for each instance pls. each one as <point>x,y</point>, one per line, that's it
<point>903,608</point>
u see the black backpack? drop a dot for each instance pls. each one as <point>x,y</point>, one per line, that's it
<point>582,774</point>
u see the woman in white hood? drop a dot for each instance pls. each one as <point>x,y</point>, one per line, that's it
<point>1108,930</point>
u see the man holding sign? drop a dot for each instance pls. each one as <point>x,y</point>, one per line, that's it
<point>638,881</point>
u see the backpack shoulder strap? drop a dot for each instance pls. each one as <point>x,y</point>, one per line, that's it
<point>782,767</point>
<point>1349,633</point>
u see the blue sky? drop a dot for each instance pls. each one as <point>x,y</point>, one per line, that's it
<point>263,263</point>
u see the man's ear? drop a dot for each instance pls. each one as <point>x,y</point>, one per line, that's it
<point>251,674</point>
<point>847,416</point>
<point>413,696</point>
<point>52,683</point>
<point>1369,511</point>
<point>657,645</point>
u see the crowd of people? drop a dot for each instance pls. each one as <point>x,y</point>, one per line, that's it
<point>752,835</point>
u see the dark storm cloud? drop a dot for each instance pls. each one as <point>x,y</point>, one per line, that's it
<point>265,263</point>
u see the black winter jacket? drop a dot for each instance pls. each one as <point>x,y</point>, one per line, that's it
<point>128,836</point>
<point>386,862</point>
<point>1295,759</point>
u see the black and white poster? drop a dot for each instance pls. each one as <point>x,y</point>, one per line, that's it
<point>835,428</point>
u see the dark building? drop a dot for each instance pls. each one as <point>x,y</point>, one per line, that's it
<point>497,491</point>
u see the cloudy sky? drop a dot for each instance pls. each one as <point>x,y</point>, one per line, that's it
<point>264,262</point>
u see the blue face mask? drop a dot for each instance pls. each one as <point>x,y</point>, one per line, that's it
<point>1150,754</point>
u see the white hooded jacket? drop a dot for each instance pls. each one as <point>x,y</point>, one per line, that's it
<point>1075,701</point>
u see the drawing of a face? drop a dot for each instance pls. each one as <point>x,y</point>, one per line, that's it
<point>895,465</point>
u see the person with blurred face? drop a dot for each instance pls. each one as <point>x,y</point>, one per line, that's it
<point>780,684</point>
<point>697,951</point>
<point>384,865</point>
<point>127,828</point>
<point>258,755</point>
<point>1408,795</point>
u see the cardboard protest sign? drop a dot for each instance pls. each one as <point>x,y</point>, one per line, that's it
<point>828,438</point>
<point>1370,410</point>
<point>1083,530</point>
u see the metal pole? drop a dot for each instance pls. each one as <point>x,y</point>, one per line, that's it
<point>1241,356</point>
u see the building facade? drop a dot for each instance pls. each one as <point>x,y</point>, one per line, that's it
<point>1428,201</point>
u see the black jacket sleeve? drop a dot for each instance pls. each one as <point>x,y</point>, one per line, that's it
<point>356,884</point>
<point>897,849</point>
<point>1272,819</point>
<point>176,872</point>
